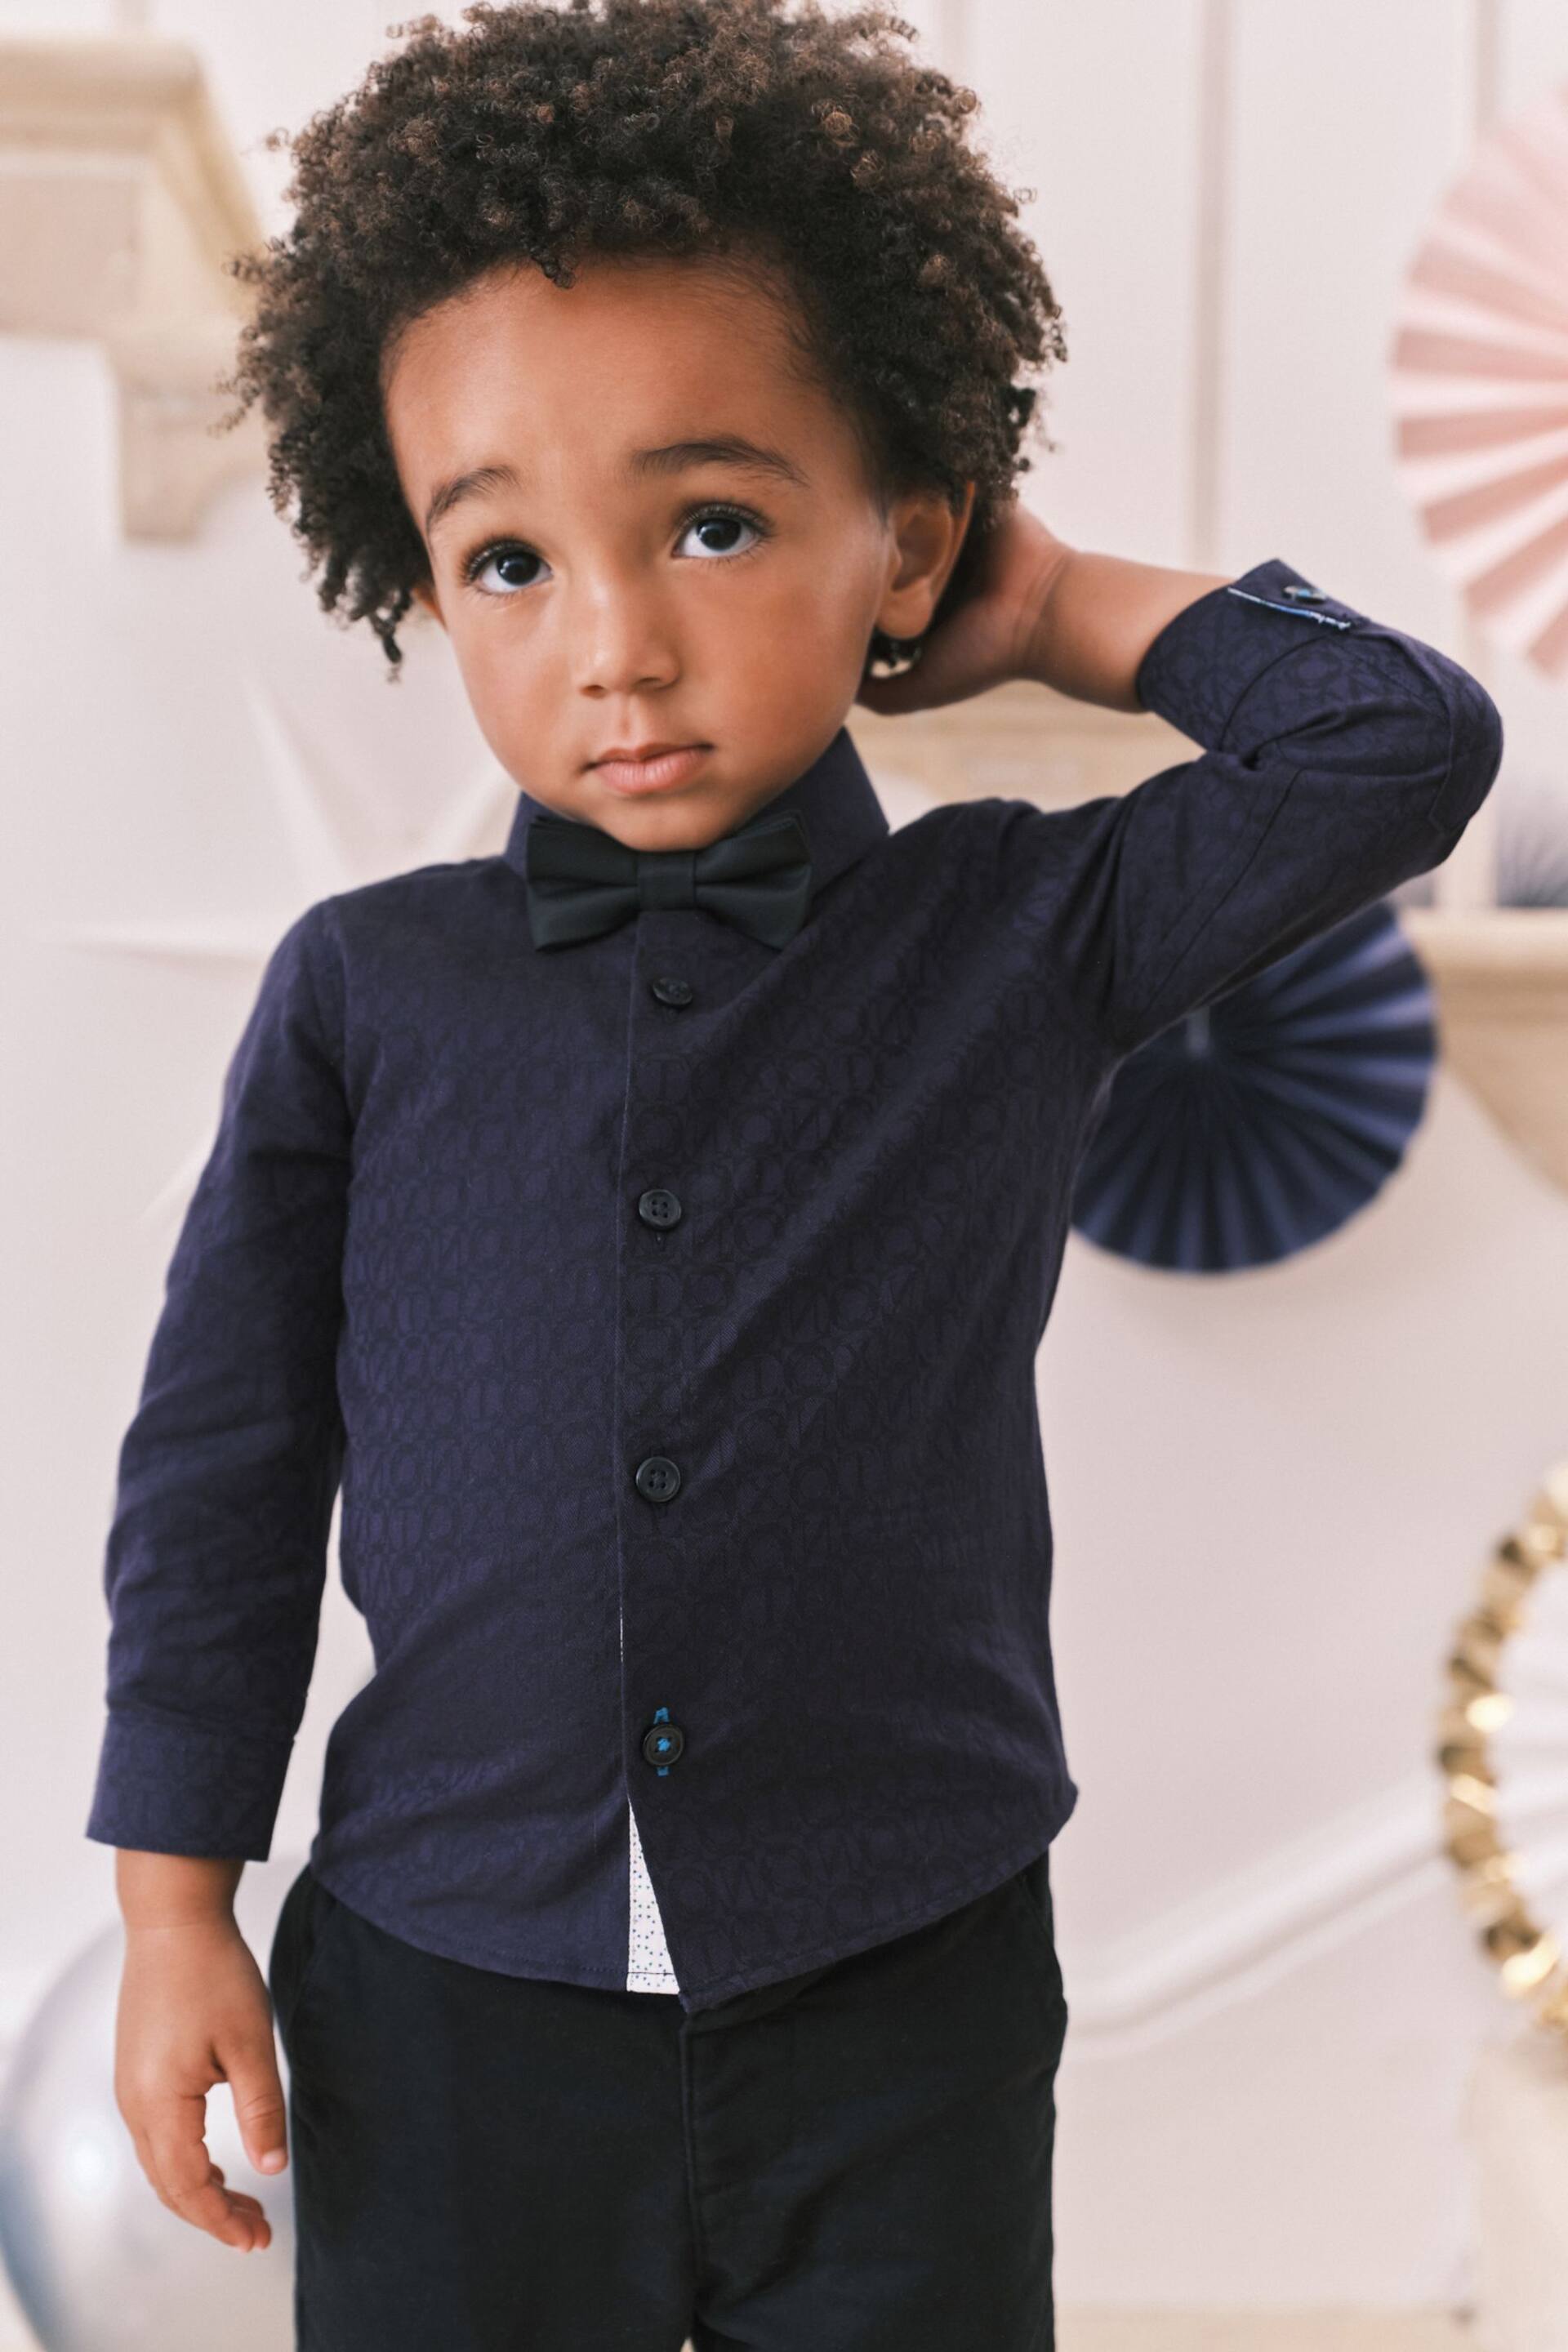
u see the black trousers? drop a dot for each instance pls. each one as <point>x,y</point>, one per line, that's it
<point>855,2159</point>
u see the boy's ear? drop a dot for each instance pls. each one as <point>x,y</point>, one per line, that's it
<point>928,534</point>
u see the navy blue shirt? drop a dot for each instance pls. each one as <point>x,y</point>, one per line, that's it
<point>417,1262</point>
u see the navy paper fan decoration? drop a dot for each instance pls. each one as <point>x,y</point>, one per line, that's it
<point>1257,1125</point>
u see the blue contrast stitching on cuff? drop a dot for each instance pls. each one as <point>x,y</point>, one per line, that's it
<point>1301,612</point>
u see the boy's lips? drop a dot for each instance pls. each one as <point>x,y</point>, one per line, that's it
<point>652,774</point>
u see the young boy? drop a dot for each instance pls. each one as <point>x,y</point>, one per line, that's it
<point>655,1224</point>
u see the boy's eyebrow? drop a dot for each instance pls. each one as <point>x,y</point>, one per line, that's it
<point>671,458</point>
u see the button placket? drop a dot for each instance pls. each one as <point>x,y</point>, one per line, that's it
<point>657,1478</point>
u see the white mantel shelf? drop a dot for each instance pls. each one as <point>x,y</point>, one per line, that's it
<point>1501,978</point>
<point>120,200</point>
<point>1020,741</point>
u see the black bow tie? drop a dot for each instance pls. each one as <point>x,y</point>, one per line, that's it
<point>581,880</point>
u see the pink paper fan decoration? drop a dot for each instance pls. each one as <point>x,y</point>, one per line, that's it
<point>1479,385</point>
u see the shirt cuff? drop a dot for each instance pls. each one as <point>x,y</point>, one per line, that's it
<point>165,1786</point>
<point>1201,665</point>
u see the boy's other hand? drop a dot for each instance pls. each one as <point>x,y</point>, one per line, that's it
<point>990,638</point>
<point>193,2011</point>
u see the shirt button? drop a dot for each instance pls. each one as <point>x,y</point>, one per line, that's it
<point>1305,595</point>
<point>658,1207</point>
<point>669,990</point>
<point>657,1478</point>
<point>662,1743</point>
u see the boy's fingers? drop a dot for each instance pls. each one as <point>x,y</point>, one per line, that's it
<point>176,2161</point>
<point>258,2108</point>
<point>240,2200</point>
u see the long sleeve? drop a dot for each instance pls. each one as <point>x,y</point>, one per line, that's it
<point>1339,757</point>
<point>227,1474</point>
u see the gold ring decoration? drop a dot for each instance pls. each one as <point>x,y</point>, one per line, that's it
<point>1529,1955</point>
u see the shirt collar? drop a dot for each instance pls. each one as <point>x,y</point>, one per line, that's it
<point>835,799</point>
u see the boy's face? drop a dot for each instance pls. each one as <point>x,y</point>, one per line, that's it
<point>598,599</point>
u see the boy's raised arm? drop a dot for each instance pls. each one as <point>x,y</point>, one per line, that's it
<point>1096,618</point>
<point>1339,757</point>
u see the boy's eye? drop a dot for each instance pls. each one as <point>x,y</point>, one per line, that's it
<point>725,521</point>
<point>511,558</point>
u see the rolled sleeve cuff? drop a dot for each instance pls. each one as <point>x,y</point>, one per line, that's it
<point>165,1786</point>
<point>1202,664</point>
<point>1247,665</point>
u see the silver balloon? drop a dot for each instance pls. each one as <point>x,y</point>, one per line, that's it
<point>96,2262</point>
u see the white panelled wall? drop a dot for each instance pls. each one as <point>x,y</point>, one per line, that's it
<point>1272,1493</point>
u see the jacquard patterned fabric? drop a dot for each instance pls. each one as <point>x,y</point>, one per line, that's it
<point>723,1519</point>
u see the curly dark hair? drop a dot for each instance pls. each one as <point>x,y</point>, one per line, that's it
<point>720,127</point>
